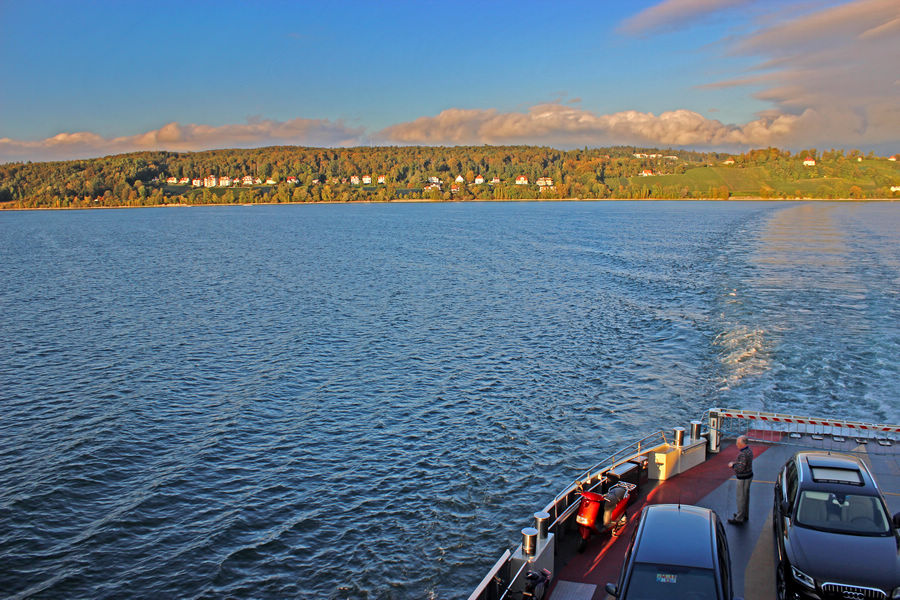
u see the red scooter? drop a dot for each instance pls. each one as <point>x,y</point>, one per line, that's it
<point>608,509</point>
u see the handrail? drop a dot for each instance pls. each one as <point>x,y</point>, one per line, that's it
<point>512,580</point>
<point>635,448</point>
<point>491,574</point>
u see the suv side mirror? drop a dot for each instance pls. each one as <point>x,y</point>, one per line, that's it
<point>613,591</point>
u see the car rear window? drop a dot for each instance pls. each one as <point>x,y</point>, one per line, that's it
<point>842,513</point>
<point>850,476</point>
<point>651,582</point>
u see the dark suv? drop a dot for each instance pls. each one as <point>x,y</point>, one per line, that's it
<point>678,551</point>
<point>833,532</point>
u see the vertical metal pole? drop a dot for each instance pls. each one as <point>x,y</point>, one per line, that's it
<point>714,424</point>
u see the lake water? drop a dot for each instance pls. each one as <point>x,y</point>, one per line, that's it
<point>369,401</point>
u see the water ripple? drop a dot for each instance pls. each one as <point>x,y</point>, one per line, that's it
<point>369,401</point>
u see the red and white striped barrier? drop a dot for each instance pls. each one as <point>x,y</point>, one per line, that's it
<point>776,418</point>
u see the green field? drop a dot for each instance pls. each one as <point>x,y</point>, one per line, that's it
<point>869,176</point>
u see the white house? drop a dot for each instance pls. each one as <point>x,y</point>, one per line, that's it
<point>171,180</point>
<point>646,173</point>
<point>197,183</point>
<point>454,189</point>
<point>224,181</point>
<point>895,188</point>
<point>432,186</point>
<point>479,180</point>
<point>521,180</point>
<point>893,158</point>
<point>434,180</point>
<point>544,182</point>
<point>292,180</point>
<point>382,179</point>
<point>184,180</point>
<point>495,180</point>
<point>809,162</point>
<point>354,180</point>
<point>270,181</point>
<point>460,179</point>
<point>367,179</point>
<point>729,161</point>
<point>210,181</point>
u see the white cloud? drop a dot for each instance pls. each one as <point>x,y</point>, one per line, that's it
<point>567,126</point>
<point>837,63</point>
<point>673,13</point>
<point>189,137</point>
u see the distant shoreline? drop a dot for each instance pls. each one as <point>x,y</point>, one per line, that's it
<point>428,201</point>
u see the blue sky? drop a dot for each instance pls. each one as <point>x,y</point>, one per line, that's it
<point>92,78</point>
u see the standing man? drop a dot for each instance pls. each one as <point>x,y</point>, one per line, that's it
<point>743,471</point>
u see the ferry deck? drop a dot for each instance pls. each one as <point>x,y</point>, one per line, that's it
<point>709,483</point>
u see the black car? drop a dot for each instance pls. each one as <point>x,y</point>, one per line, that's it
<point>833,532</point>
<point>678,551</point>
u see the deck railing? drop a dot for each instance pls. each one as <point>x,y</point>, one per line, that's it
<point>498,583</point>
<point>782,428</point>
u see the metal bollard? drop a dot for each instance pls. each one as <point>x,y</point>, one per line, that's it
<point>695,430</point>
<point>542,523</point>
<point>679,436</point>
<point>529,541</point>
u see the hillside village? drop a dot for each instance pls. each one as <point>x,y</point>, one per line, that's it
<point>433,183</point>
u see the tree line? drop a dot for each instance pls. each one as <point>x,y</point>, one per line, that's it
<point>323,175</point>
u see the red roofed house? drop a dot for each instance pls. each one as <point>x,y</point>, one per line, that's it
<point>495,180</point>
<point>521,180</point>
<point>367,179</point>
<point>171,180</point>
<point>479,180</point>
<point>646,173</point>
<point>809,162</point>
<point>381,179</point>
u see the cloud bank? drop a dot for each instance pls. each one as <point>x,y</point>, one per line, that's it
<point>566,126</point>
<point>178,137</point>
<point>553,124</point>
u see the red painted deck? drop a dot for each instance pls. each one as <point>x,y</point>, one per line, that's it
<point>712,485</point>
<point>601,562</point>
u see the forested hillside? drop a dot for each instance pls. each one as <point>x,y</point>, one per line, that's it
<point>298,174</point>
